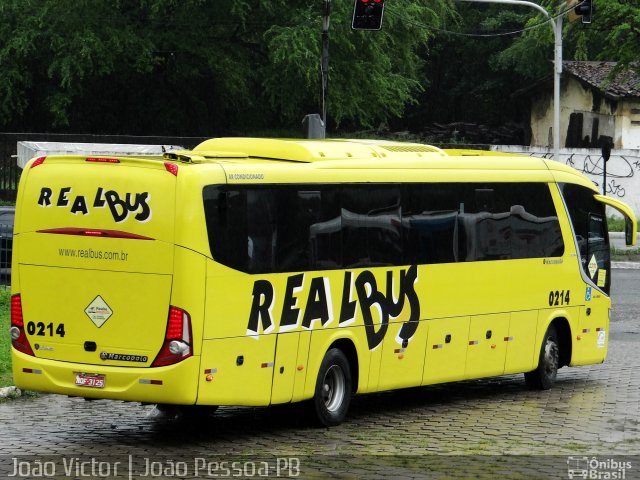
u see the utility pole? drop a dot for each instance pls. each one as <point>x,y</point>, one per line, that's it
<point>315,125</point>
<point>324,66</point>
<point>556,26</point>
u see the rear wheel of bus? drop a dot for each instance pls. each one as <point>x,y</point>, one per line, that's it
<point>333,389</point>
<point>543,377</point>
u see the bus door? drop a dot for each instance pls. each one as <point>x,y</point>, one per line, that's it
<point>587,214</point>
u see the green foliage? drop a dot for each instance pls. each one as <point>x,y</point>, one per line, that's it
<point>5,341</point>
<point>195,67</point>
<point>615,224</point>
<point>613,35</point>
<point>466,83</point>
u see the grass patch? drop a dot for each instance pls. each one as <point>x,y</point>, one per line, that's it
<point>616,224</point>
<point>619,255</point>
<point>6,377</point>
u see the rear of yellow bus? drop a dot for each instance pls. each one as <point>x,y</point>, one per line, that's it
<point>94,310</point>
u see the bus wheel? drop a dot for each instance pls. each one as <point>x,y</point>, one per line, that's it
<point>543,377</point>
<point>333,389</point>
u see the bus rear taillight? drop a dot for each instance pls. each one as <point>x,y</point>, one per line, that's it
<point>177,340</point>
<point>18,338</point>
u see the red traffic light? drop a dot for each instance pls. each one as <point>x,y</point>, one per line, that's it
<point>367,14</point>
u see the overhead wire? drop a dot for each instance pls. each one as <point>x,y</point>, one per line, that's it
<point>392,11</point>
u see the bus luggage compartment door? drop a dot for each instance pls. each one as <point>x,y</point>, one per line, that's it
<point>446,350</point>
<point>487,347</point>
<point>237,370</point>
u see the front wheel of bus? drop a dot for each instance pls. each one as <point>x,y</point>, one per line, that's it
<point>543,377</point>
<point>333,389</point>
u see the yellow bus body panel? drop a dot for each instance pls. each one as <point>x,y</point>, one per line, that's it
<point>259,339</point>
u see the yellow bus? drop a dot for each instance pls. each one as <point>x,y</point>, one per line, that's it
<point>263,271</point>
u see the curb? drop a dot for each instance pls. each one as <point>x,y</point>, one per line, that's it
<point>626,265</point>
<point>10,392</point>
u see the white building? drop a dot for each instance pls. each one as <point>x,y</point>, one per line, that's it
<point>593,107</point>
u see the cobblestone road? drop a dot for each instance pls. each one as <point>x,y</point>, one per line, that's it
<point>593,412</point>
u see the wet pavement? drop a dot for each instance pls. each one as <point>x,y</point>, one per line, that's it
<point>469,429</point>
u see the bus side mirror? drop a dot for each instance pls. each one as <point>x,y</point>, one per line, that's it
<point>628,232</point>
<point>630,227</point>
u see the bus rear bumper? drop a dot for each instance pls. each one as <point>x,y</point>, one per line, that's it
<point>173,384</point>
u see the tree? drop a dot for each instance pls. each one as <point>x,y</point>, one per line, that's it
<point>613,35</point>
<point>198,67</point>
<point>466,83</point>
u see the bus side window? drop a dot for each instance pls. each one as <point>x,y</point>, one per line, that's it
<point>371,233</point>
<point>298,210</point>
<point>507,221</point>
<point>262,231</point>
<point>430,223</point>
<point>325,233</point>
<point>226,219</point>
<point>597,243</point>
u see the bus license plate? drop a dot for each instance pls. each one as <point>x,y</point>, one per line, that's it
<point>92,381</point>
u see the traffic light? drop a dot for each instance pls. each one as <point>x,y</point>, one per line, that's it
<point>367,14</point>
<point>585,10</point>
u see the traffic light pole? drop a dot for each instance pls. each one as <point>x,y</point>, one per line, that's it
<point>556,25</point>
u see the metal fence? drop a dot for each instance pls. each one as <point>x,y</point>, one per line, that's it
<point>6,243</point>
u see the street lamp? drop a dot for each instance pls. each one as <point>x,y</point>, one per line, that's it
<point>556,25</point>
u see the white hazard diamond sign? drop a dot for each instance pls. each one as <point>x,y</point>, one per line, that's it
<point>593,266</point>
<point>98,311</point>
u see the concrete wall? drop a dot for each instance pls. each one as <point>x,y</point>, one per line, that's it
<point>623,169</point>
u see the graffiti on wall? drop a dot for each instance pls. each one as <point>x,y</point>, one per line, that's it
<point>618,167</point>
<point>623,169</point>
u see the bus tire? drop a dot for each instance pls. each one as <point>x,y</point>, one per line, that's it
<point>333,389</point>
<point>543,377</point>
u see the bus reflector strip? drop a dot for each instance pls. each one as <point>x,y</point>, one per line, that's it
<point>38,161</point>
<point>399,350</point>
<point>150,382</point>
<point>508,339</point>
<point>102,160</point>
<point>586,330</point>
<point>267,365</point>
<point>211,370</point>
<point>599,329</point>
<point>32,370</point>
<point>474,342</point>
<point>92,232</point>
<point>437,346</point>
